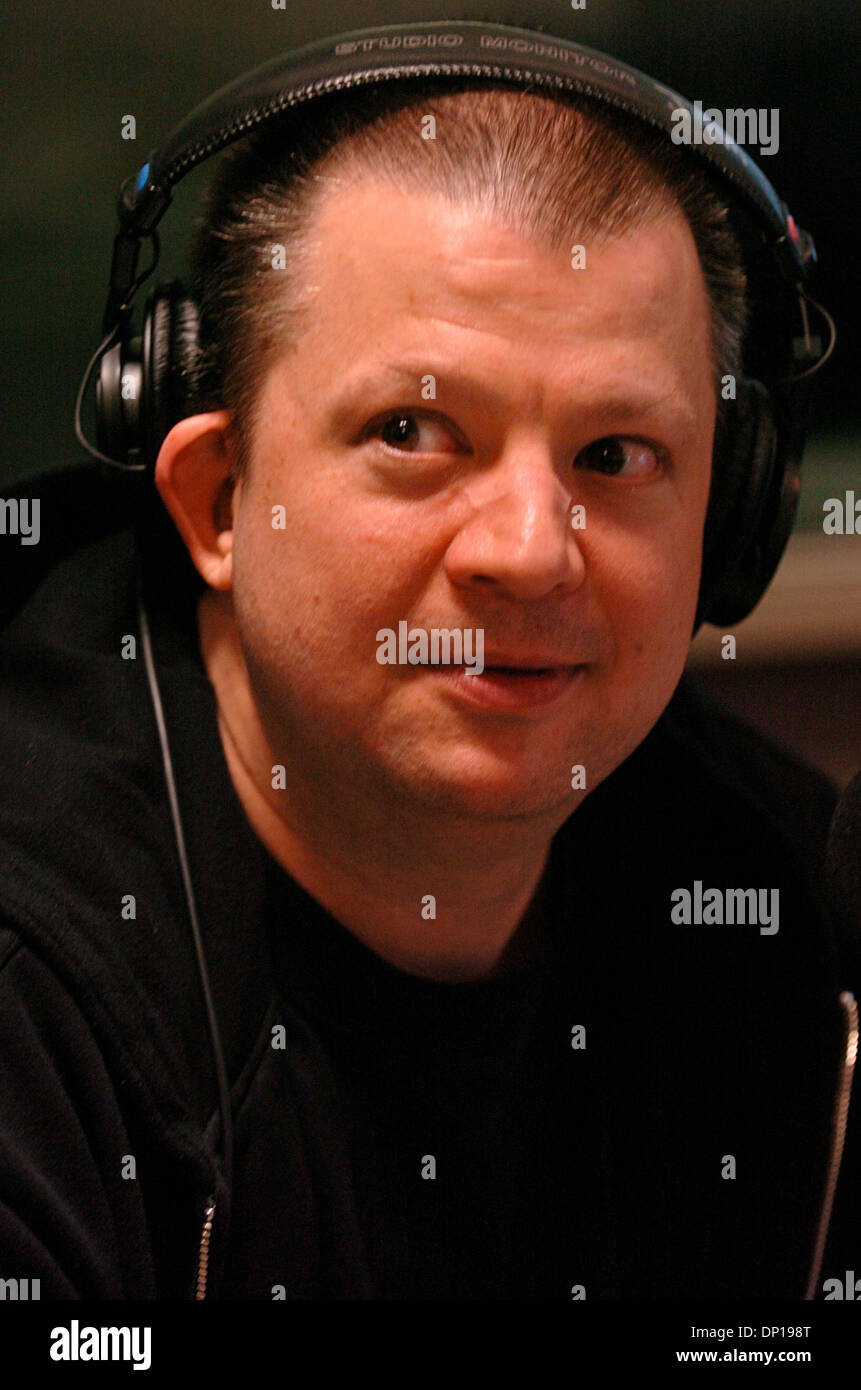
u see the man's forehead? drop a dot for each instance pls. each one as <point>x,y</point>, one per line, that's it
<point>396,275</point>
<point>375,249</point>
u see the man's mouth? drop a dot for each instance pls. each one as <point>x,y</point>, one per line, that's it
<point>512,687</point>
<point>539,661</point>
<point>522,672</point>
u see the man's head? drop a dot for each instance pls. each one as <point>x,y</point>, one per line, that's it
<point>330,500</point>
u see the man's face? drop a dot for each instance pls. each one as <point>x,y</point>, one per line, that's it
<point>461,517</point>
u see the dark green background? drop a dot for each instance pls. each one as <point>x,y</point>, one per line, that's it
<point>73,70</point>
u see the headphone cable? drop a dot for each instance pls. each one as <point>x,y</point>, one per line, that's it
<point>212,1021</point>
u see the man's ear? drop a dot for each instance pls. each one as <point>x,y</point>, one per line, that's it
<point>193,473</point>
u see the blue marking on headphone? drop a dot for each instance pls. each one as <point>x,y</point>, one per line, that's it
<point>143,175</point>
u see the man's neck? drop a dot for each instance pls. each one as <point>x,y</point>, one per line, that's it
<point>445,905</point>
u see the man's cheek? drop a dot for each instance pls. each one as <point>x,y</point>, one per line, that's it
<point>640,592</point>
<point>670,576</point>
<point>652,619</point>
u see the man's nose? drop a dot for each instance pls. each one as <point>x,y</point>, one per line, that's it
<point>519,534</point>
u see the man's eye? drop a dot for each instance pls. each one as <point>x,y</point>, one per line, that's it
<point>414,433</point>
<point>618,456</point>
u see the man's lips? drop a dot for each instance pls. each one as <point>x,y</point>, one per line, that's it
<point>513,687</point>
<point>543,661</point>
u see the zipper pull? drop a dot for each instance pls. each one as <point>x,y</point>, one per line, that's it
<point>203,1256</point>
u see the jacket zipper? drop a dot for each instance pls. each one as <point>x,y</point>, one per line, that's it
<point>838,1131</point>
<point>203,1256</point>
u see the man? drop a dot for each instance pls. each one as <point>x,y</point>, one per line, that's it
<point>475,1047</point>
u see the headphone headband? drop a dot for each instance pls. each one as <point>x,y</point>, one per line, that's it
<point>443,48</point>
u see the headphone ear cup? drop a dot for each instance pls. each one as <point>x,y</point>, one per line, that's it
<point>751,508</point>
<point>113,435</point>
<point>171,364</point>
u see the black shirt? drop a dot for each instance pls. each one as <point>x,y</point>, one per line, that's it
<point>455,1100</point>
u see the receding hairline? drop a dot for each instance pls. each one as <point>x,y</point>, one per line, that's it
<point>353,173</point>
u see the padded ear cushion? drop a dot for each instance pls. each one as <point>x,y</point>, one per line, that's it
<point>185,356</point>
<point>171,355</point>
<point>737,532</point>
<point>156,369</point>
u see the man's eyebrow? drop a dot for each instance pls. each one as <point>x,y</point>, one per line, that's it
<point>396,372</point>
<point>670,404</point>
<point>666,404</point>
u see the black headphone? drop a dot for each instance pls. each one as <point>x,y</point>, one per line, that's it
<point>146,383</point>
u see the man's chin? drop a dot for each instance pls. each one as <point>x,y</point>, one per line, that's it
<point>467,792</point>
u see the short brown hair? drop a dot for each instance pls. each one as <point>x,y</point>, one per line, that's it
<point>560,169</point>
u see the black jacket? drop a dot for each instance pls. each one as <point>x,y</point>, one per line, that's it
<point>710,1050</point>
